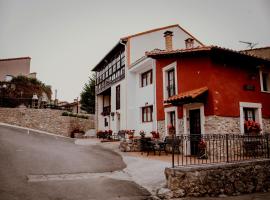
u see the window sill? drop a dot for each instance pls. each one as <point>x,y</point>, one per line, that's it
<point>147,122</point>
<point>268,92</point>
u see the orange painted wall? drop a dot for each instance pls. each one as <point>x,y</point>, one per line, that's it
<point>225,84</point>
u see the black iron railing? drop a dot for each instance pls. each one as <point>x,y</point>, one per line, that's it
<point>218,148</point>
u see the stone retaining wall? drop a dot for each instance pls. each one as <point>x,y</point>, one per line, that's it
<point>45,119</point>
<point>219,179</point>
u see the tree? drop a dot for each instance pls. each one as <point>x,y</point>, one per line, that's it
<point>88,95</point>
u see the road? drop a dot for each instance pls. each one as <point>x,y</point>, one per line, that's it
<point>39,166</point>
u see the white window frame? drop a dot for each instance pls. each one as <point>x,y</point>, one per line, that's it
<point>258,114</point>
<point>167,111</point>
<point>186,109</point>
<point>261,81</point>
<point>165,79</point>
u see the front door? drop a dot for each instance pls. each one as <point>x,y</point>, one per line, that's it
<point>195,130</point>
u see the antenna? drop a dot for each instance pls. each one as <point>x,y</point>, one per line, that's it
<point>250,44</point>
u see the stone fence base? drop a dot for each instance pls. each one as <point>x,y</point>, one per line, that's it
<point>219,179</point>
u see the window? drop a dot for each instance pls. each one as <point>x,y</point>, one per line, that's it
<point>249,114</point>
<point>250,111</point>
<point>265,81</point>
<point>171,83</point>
<point>117,97</point>
<point>147,114</point>
<point>146,78</point>
<point>172,118</point>
<point>105,122</point>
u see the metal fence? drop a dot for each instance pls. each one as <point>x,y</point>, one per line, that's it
<point>218,148</point>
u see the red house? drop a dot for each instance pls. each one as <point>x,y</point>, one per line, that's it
<point>209,90</point>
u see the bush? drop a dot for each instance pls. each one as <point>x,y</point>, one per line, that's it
<point>65,114</point>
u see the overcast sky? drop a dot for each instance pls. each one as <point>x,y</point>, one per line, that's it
<point>67,38</point>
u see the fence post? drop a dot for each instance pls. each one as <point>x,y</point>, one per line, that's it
<point>227,147</point>
<point>173,150</point>
<point>267,143</point>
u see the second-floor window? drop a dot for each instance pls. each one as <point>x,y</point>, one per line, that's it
<point>265,81</point>
<point>146,78</point>
<point>118,97</point>
<point>171,82</point>
<point>147,114</point>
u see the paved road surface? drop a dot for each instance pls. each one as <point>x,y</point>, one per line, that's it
<point>51,160</point>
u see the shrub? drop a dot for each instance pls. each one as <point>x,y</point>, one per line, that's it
<point>65,114</point>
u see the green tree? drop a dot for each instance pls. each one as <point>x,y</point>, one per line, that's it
<point>88,95</point>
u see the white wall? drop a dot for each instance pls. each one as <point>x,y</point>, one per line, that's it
<point>138,97</point>
<point>147,42</point>
<point>121,111</point>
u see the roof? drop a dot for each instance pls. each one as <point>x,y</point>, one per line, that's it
<point>189,95</point>
<point>124,39</point>
<point>158,29</point>
<point>107,55</point>
<point>161,53</point>
<point>19,58</point>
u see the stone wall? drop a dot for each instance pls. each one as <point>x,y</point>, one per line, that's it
<point>161,128</point>
<point>222,125</point>
<point>45,119</point>
<point>266,125</point>
<point>219,179</point>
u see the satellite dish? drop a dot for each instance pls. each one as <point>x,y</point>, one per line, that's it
<point>251,45</point>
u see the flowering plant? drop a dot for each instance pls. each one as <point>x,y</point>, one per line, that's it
<point>155,134</point>
<point>171,129</point>
<point>142,133</point>
<point>252,127</point>
<point>130,133</point>
<point>202,144</point>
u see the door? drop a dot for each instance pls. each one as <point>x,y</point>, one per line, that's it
<point>195,130</point>
<point>117,122</point>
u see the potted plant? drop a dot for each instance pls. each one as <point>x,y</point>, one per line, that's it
<point>155,134</point>
<point>202,153</point>
<point>142,134</point>
<point>252,127</point>
<point>171,129</point>
<point>130,134</point>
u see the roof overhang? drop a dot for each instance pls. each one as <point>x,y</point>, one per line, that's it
<point>213,51</point>
<point>191,96</point>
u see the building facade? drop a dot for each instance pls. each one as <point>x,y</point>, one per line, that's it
<point>210,90</point>
<point>125,89</point>
<point>12,67</point>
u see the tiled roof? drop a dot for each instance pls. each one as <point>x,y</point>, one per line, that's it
<point>19,58</point>
<point>155,52</point>
<point>192,94</point>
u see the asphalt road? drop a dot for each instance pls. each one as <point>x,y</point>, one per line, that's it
<point>24,154</point>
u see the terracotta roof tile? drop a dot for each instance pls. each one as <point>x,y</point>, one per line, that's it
<point>192,94</point>
<point>156,52</point>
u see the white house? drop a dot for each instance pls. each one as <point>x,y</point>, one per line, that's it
<point>125,89</point>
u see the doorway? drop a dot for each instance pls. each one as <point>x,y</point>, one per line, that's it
<point>195,130</point>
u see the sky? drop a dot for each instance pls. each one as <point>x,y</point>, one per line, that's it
<point>67,38</point>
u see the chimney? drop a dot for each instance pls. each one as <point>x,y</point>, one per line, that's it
<point>168,40</point>
<point>189,43</point>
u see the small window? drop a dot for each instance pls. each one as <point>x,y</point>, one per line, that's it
<point>146,78</point>
<point>118,97</point>
<point>249,114</point>
<point>105,122</point>
<point>265,82</point>
<point>171,83</point>
<point>147,114</point>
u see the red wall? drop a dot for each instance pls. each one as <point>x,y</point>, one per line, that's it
<point>225,84</point>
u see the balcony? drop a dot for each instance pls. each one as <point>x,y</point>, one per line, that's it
<point>108,82</point>
<point>106,111</point>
